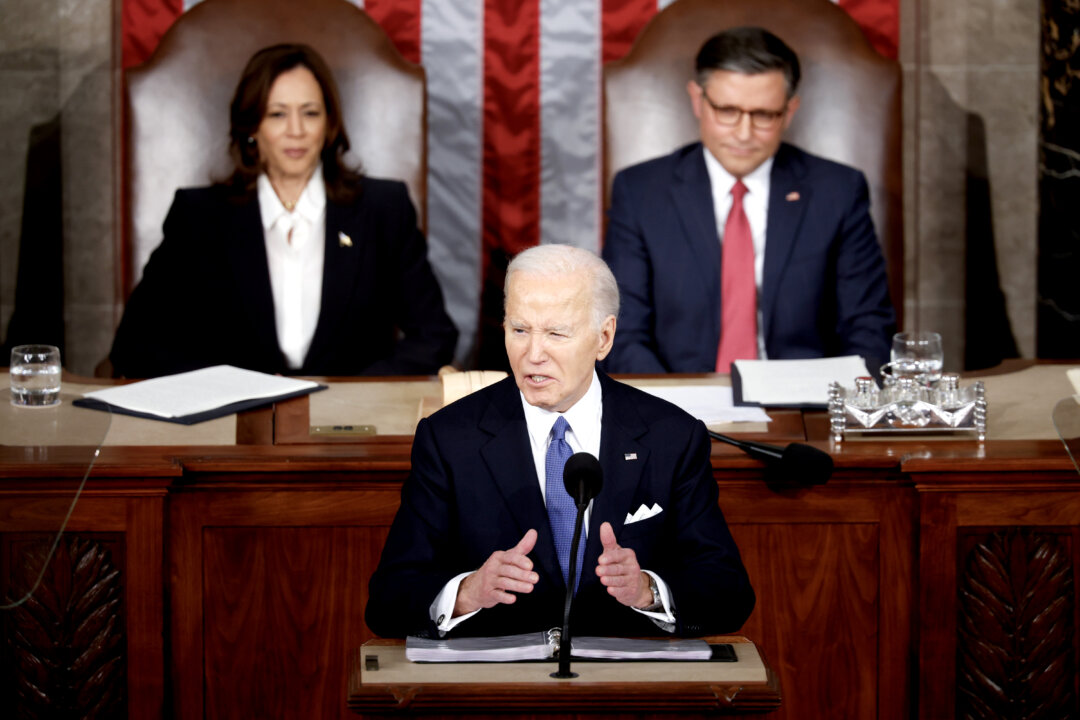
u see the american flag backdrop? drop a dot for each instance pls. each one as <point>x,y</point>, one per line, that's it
<point>514,120</point>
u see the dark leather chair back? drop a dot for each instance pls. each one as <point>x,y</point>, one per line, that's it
<point>177,103</point>
<point>850,109</point>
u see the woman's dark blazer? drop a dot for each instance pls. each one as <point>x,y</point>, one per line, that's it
<point>205,297</point>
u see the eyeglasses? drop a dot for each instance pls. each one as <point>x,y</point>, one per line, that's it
<point>731,115</point>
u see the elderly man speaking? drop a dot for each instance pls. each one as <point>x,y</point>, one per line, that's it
<point>480,545</point>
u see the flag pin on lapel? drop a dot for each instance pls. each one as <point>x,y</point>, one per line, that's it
<point>792,196</point>
<point>343,240</point>
<point>630,456</point>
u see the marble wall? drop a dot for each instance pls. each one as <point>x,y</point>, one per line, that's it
<point>1059,182</point>
<point>56,70</point>
<point>971,74</point>
<point>971,77</point>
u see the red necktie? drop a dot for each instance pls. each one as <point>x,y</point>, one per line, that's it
<point>738,292</point>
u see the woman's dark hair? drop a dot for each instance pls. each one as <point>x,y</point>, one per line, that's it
<point>249,106</point>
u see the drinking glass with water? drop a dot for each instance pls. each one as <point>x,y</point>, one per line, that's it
<point>918,355</point>
<point>35,375</point>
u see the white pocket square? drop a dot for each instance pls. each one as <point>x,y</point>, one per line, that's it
<point>643,513</point>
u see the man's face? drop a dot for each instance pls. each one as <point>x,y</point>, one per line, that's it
<point>742,146</point>
<point>551,340</point>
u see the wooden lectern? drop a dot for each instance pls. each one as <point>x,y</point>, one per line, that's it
<point>382,682</point>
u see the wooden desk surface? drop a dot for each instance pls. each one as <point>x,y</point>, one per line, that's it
<point>1020,406</point>
<point>746,686</point>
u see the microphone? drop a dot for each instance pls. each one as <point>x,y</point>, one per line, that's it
<point>797,464</point>
<point>583,478</point>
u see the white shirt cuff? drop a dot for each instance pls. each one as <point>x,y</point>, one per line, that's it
<point>665,618</point>
<point>442,610</point>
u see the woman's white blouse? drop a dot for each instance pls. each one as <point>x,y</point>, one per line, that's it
<point>295,248</point>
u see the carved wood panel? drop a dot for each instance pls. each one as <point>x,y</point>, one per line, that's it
<point>64,650</point>
<point>1015,625</point>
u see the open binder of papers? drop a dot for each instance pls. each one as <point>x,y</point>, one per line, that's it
<point>192,397</point>
<point>792,383</point>
<point>545,646</point>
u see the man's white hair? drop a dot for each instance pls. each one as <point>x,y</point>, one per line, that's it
<point>558,260</point>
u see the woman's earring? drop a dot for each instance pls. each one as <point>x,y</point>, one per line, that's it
<point>251,139</point>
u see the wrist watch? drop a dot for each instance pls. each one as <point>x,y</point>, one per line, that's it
<point>657,604</point>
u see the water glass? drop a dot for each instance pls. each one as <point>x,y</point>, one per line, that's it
<point>35,375</point>
<point>918,355</point>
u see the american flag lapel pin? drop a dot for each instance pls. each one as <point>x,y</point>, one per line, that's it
<point>629,456</point>
<point>343,240</point>
<point>792,196</point>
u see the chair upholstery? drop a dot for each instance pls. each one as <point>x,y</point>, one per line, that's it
<point>177,103</point>
<point>850,109</point>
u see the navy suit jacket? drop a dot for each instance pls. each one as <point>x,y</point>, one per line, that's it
<point>205,297</point>
<point>824,289</point>
<point>473,490</point>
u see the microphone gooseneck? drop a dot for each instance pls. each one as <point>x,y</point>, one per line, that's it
<point>798,464</point>
<point>583,478</point>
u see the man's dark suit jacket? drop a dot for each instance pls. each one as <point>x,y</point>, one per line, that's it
<point>205,297</point>
<point>824,289</point>
<point>473,490</point>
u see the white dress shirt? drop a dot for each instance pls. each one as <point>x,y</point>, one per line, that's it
<point>756,207</point>
<point>584,418</point>
<point>295,248</point>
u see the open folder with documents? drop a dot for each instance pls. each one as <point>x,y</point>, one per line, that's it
<point>198,395</point>
<point>545,646</point>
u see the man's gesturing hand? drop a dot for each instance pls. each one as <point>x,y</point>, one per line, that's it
<point>620,573</point>
<point>504,573</point>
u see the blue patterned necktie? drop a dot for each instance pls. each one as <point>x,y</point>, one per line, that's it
<point>562,512</point>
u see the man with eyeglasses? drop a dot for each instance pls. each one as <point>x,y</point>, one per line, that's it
<point>741,246</point>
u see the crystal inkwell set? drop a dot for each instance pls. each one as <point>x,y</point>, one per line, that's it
<point>914,397</point>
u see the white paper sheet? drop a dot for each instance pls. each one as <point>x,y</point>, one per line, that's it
<point>198,391</point>
<point>796,382</point>
<point>712,404</point>
<point>1074,377</point>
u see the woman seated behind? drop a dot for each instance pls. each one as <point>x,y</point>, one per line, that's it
<point>296,264</point>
